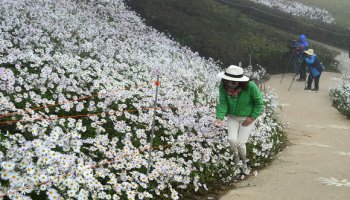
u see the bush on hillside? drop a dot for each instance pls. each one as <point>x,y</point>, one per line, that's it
<point>340,95</point>
<point>76,92</point>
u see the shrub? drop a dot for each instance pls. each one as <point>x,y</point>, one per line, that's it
<point>340,95</point>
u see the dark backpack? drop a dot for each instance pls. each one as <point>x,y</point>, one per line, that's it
<point>318,65</point>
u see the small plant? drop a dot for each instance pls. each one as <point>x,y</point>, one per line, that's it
<point>340,95</point>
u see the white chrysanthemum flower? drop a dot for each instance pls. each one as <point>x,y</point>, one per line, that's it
<point>8,165</point>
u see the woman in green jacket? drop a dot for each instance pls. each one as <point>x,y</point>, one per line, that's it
<point>241,101</point>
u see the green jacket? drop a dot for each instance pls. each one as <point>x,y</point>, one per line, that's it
<point>248,103</point>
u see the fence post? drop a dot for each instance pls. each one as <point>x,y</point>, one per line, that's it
<point>250,60</point>
<point>153,124</point>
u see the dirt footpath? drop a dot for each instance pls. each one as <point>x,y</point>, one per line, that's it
<point>316,165</point>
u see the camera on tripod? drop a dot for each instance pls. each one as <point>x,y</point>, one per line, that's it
<point>295,47</point>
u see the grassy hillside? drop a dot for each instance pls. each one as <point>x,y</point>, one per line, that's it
<point>221,32</point>
<point>338,8</point>
<point>298,21</point>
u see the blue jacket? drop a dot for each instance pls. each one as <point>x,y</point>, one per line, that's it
<point>302,41</point>
<point>310,60</point>
<point>314,64</point>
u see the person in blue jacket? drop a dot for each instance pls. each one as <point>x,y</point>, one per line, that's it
<point>303,45</point>
<point>299,46</point>
<point>315,69</point>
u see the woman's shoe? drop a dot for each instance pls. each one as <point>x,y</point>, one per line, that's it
<point>245,170</point>
<point>236,160</point>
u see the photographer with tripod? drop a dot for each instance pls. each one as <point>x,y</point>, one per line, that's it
<point>297,48</point>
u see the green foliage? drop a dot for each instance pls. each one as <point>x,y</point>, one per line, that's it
<point>39,196</point>
<point>332,34</point>
<point>221,32</point>
<point>337,104</point>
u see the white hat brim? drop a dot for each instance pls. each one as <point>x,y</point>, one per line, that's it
<point>223,76</point>
<point>308,53</point>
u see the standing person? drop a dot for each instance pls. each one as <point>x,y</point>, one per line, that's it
<point>241,101</point>
<point>301,65</point>
<point>315,70</point>
<point>303,44</point>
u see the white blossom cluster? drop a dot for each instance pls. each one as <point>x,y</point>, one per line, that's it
<point>84,76</point>
<point>6,104</point>
<point>7,79</point>
<point>340,95</point>
<point>257,74</point>
<point>267,140</point>
<point>299,9</point>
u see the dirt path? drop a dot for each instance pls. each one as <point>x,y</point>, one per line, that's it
<point>319,153</point>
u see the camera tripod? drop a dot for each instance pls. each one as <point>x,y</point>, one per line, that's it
<point>297,62</point>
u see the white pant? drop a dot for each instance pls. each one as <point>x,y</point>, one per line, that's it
<point>238,135</point>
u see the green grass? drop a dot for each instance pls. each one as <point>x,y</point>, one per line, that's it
<point>221,32</point>
<point>338,8</point>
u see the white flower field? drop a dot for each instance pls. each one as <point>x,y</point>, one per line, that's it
<point>299,9</point>
<point>77,86</point>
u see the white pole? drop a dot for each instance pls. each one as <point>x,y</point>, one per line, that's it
<point>152,130</point>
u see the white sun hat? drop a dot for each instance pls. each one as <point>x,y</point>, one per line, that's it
<point>233,73</point>
<point>309,52</point>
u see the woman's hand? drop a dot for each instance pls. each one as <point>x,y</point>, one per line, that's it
<point>219,122</point>
<point>248,121</point>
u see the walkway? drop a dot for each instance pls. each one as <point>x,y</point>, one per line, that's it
<point>319,152</point>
